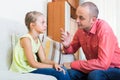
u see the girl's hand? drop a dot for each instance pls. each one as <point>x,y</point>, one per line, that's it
<point>58,68</point>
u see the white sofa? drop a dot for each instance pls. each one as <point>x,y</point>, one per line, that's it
<point>6,58</point>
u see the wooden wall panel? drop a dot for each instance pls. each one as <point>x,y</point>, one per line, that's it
<point>50,19</point>
<point>56,19</point>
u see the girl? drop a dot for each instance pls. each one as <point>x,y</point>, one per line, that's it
<point>29,45</point>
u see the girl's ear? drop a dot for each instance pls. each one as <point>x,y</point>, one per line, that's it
<point>32,25</point>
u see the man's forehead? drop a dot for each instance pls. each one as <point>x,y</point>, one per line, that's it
<point>82,10</point>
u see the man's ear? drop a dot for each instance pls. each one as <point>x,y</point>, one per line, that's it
<point>94,19</point>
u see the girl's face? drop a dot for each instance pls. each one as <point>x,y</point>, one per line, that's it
<point>40,25</point>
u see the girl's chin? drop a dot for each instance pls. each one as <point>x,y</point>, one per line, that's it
<point>42,32</point>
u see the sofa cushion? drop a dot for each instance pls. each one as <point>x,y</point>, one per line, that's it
<point>52,49</point>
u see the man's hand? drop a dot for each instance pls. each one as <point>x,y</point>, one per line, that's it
<point>67,65</point>
<point>65,38</point>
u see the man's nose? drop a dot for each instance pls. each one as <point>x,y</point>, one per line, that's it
<point>77,20</point>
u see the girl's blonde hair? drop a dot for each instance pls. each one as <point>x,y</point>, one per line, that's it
<point>31,17</point>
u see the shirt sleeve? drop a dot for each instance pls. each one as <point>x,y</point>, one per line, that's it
<point>106,47</point>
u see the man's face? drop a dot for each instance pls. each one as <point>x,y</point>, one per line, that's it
<point>83,20</point>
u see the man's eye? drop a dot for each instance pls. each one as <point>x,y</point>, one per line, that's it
<point>81,18</point>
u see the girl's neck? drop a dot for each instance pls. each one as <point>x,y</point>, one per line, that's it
<point>34,36</point>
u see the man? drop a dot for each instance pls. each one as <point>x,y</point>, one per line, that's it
<point>99,45</point>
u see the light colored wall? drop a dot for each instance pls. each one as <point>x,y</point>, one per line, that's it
<point>12,21</point>
<point>118,20</point>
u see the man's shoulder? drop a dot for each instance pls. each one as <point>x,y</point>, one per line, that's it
<point>103,27</point>
<point>102,24</point>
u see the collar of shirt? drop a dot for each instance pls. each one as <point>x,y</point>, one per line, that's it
<point>94,27</point>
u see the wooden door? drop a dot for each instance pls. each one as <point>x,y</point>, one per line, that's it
<point>57,19</point>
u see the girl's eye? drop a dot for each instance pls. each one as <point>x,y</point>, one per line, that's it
<point>43,22</point>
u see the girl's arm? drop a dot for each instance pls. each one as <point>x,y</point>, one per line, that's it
<point>26,44</point>
<point>43,59</point>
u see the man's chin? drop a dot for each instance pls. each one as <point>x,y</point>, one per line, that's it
<point>80,27</point>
